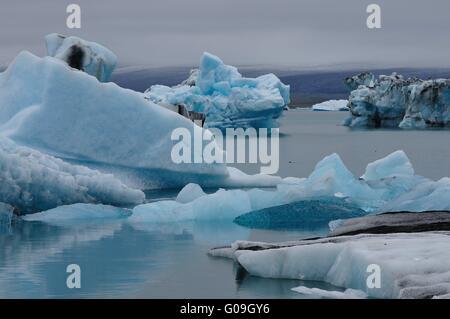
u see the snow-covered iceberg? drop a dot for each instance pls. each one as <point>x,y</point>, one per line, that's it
<point>413,265</point>
<point>226,97</point>
<point>331,105</point>
<point>32,181</point>
<point>392,101</point>
<point>89,57</point>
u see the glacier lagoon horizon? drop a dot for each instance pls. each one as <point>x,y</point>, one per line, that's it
<point>152,261</point>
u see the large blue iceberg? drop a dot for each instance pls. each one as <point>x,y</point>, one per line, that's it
<point>59,110</point>
<point>226,97</point>
<point>393,101</point>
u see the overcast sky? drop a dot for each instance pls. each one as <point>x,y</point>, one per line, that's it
<point>294,33</point>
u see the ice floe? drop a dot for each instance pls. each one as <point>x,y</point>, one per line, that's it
<point>412,265</point>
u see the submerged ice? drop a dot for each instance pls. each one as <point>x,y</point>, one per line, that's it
<point>226,97</point>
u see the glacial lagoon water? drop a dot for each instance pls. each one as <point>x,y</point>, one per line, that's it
<point>118,259</point>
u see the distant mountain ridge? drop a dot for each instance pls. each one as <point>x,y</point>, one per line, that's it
<point>307,87</point>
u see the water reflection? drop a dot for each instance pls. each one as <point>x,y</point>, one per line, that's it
<point>119,259</point>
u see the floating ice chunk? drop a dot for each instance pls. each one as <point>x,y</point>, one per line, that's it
<point>89,57</point>
<point>237,178</point>
<point>305,214</point>
<point>331,177</point>
<point>426,196</point>
<point>221,205</point>
<point>347,294</point>
<point>412,264</point>
<point>72,214</point>
<point>226,98</point>
<point>189,193</point>
<point>331,105</point>
<point>32,181</point>
<point>395,164</point>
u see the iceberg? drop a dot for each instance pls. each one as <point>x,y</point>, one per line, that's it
<point>362,79</point>
<point>96,124</point>
<point>32,182</point>
<point>190,193</point>
<point>331,105</point>
<point>89,57</point>
<point>104,127</point>
<point>415,265</point>
<point>427,196</point>
<point>392,101</point>
<point>226,97</point>
<point>221,205</point>
<point>394,164</point>
<point>330,192</point>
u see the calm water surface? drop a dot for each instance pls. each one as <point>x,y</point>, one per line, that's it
<point>118,259</point>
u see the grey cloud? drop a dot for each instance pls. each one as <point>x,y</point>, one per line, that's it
<point>295,33</point>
